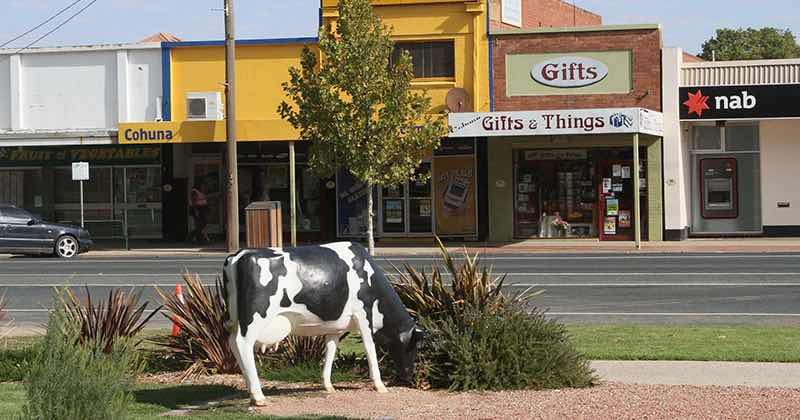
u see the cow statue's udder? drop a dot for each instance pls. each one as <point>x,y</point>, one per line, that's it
<point>311,291</point>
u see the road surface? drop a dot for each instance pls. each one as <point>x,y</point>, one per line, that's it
<point>649,288</point>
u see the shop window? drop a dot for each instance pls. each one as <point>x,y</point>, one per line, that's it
<point>430,59</point>
<point>707,138</point>
<point>741,138</point>
<point>271,183</point>
<point>96,190</point>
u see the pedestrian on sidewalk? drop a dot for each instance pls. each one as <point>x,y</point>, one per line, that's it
<point>198,208</point>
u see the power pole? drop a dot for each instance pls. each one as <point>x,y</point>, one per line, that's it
<point>230,129</point>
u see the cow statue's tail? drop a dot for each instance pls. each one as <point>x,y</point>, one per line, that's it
<point>230,292</point>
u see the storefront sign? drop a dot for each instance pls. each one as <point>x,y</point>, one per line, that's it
<point>739,102</point>
<point>55,156</point>
<point>600,72</point>
<point>456,147</point>
<point>569,72</point>
<point>352,205</point>
<point>203,131</point>
<point>565,122</point>
<point>454,186</point>
<point>511,12</point>
<point>565,154</point>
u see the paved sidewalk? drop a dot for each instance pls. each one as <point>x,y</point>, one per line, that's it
<point>743,245</point>
<point>780,375</point>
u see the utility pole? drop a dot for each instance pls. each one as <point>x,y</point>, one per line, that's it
<point>230,130</point>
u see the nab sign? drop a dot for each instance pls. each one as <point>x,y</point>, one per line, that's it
<point>739,102</point>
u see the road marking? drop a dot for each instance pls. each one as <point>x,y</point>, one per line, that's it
<point>722,314</point>
<point>101,274</point>
<point>749,284</point>
<point>628,274</point>
<point>81,285</point>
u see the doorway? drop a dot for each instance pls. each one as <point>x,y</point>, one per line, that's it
<point>407,209</point>
<point>207,174</point>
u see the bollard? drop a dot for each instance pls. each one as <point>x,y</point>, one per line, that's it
<point>176,330</point>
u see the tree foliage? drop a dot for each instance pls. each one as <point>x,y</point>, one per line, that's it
<point>751,44</point>
<point>356,108</point>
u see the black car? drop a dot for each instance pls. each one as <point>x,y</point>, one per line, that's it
<point>23,233</point>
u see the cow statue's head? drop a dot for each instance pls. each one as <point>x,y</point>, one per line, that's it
<point>403,348</point>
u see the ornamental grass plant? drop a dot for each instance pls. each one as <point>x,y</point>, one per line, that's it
<point>479,337</point>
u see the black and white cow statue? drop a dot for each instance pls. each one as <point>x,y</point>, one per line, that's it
<point>322,290</point>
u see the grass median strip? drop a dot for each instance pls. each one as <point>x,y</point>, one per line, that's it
<point>739,343</point>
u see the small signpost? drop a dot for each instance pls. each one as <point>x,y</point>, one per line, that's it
<point>80,172</point>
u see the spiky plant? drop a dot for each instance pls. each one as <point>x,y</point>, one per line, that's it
<point>119,315</point>
<point>6,325</point>
<point>472,284</point>
<point>299,350</point>
<point>202,346</point>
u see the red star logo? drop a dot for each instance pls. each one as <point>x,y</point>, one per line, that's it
<point>697,103</point>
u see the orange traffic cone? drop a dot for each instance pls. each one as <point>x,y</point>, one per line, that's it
<point>176,330</point>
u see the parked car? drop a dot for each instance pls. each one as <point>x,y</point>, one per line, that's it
<point>24,233</point>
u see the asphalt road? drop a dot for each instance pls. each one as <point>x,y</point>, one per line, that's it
<point>650,288</point>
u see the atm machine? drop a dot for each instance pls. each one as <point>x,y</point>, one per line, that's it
<point>718,188</point>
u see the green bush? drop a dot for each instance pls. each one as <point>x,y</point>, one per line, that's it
<point>70,379</point>
<point>505,349</point>
<point>15,364</point>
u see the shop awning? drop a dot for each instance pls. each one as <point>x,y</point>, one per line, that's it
<point>557,122</point>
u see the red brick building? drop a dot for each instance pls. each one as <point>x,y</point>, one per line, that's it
<point>546,13</point>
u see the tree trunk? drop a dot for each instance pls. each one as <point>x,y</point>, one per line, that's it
<point>370,227</point>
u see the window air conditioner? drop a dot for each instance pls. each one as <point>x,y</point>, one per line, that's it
<point>204,106</point>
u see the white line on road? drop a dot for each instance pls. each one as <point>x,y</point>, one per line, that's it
<point>739,274</point>
<point>688,284</point>
<point>100,274</point>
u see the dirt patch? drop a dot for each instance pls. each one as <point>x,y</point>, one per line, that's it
<point>606,401</point>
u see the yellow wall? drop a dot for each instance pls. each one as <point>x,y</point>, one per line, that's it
<point>260,69</point>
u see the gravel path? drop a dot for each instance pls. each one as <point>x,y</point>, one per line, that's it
<point>606,401</point>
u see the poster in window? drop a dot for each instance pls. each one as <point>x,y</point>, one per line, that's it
<point>606,185</point>
<point>610,226</point>
<point>454,186</point>
<point>626,172</point>
<point>351,200</point>
<point>393,211</point>
<point>616,171</point>
<point>425,208</point>
<point>612,207</point>
<point>624,219</point>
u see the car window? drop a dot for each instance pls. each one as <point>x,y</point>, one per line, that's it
<point>14,216</point>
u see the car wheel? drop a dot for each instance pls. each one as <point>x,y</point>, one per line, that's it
<point>66,247</point>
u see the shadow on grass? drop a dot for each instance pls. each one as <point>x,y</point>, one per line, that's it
<point>174,397</point>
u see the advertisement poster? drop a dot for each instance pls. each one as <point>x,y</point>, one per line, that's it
<point>606,185</point>
<point>351,197</point>
<point>624,219</point>
<point>612,207</point>
<point>454,186</point>
<point>616,171</point>
<point>610,226</point>
<point>393,211</point>
<point>626,172</point>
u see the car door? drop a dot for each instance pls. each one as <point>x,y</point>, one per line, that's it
<point>21,234</point>
<point>5,243</point>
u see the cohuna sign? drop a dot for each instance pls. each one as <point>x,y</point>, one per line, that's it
<point>739,102</point>
<point>569,72</point>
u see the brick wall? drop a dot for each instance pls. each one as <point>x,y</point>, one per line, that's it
<point>547,13</point>
<point>646,55</point>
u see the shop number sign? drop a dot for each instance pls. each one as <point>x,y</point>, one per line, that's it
<point>80,171</point>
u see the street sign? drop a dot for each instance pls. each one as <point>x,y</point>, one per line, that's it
<point>80,171</point>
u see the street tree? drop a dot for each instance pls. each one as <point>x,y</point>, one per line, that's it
<point>751,44</point>
<point>355,106</point>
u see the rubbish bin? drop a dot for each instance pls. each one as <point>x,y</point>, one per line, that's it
<point>264,225</point>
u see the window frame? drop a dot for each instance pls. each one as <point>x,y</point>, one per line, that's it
<point>427,46</point>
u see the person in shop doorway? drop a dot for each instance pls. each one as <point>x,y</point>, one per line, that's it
<point>198,206</point>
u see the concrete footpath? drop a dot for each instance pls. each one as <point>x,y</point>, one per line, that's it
<point>545,246</point>
<point>779,375</point>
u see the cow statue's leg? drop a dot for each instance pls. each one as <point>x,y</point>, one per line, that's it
<point>331,342</point>
<point>372,355</point>
<point>263,332</point>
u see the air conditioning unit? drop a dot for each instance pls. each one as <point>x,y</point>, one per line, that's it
<point>204,106</point>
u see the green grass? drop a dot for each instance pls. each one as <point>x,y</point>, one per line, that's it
<point>153,400</point>
<point>743,343</point>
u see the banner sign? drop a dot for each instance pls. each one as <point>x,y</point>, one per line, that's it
<point>54,156</point>
<point>454,186</point>
<point>739,102</point>
<point>551,123</point>
<point>351,210</point>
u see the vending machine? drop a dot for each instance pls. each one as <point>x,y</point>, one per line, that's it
<point>718,188</point>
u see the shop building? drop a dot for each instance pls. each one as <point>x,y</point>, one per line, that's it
<point>62,105</point>
<point>574,134</point>
<point>730,133</point>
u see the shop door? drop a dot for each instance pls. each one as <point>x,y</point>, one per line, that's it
<point>407,210</point>
<point>137,200</point>
<point>616,195</point>
<point>207,175</point>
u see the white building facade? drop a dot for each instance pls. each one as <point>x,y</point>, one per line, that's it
<point>61,105</point>
<point>731,146</point>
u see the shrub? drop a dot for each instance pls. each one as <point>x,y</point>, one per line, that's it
<point>473,285</point>
<point>505,349</point>
<point>15,364</point>
<point>79,381</point>
<point>6,325</point>
<point>202,346</point>
<point>119,316</point>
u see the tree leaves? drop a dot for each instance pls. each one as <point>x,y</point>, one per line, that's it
<point>751,44</point>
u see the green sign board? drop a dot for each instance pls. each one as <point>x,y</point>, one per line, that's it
<point>577,73</point>
<point>97,155</point>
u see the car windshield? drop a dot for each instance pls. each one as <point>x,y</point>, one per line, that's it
<point>14,215</point>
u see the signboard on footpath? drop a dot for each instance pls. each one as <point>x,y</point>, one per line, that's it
<point>560,122</point>
<point>739,102</point>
